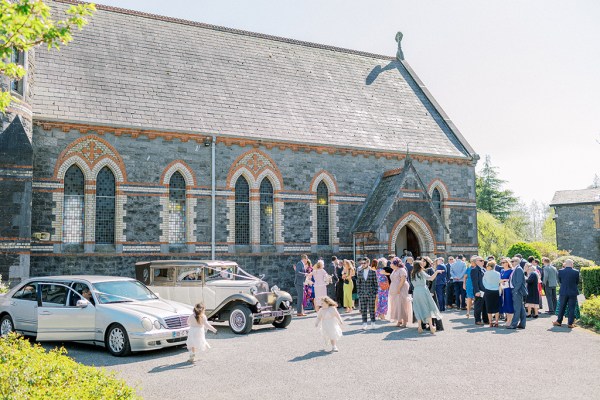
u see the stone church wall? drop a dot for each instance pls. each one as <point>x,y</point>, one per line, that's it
<point>578,230</point>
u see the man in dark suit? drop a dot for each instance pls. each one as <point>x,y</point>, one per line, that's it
<point>479,310</point>
<point>409,267</point>
<point>518,287</point>
<point>568,278</point>
<point>338,268</point>
<point>366,282</point>
<point>299,277</point>
<point>440,283</point>
<point>449,284</point>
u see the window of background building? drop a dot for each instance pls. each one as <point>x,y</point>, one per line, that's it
<point>322,214</point>
<point>177,209</point>
<point>436,197</point>
<point>266,212</point>
<point>242,211</point>
<point>18,86</point>
<point>73,209</point>
<point>105,207</point>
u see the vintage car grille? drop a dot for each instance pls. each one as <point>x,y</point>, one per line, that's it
<point>177,321</point>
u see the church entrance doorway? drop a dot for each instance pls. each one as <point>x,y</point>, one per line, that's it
<point>408,239</point>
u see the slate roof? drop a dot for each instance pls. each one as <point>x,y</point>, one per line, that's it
<point>131,69</point>
<point>583,196</point>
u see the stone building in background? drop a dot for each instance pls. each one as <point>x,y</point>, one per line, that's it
<point>146,129</point>
<point>577,217</point>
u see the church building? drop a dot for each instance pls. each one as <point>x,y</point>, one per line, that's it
<point>150,137</point>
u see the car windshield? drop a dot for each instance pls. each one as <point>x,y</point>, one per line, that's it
<point>122,291</point>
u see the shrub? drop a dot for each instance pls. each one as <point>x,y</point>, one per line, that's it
<point>578,262</point>
<point>590,277</point>
<point>3,287</point>
<point>29,372</point>
<point>590,312</point>
<point>524,249</point>
<point>548,249</point>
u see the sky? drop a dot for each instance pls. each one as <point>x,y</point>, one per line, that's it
<point>519,78</point>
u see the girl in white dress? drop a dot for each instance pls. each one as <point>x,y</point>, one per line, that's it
<point>196,339</point>
<point>330,321</point>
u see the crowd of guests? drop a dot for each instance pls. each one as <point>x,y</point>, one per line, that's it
<point>407,289</point>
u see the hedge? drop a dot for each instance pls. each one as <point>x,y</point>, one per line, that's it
<point>590,277</point>
<point>578,262</point>
<point>29,372</point>
<point>523,249</point>
<point>590,312</point>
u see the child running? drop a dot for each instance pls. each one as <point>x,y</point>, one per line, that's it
<point>196,336</point>
<point>330,321</point>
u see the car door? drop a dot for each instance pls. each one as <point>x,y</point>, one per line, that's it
<point>59,318</point>
<point>23,308</point>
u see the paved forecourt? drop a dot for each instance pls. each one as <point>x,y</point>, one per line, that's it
<point>462,362</point>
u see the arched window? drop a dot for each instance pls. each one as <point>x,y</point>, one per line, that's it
<point>436,198</point>
<point>176,209</point>
<point>322,214</point>
<point>105,207</point>
<point>242,211</point>
<point>73,208</point>
<point>266,212</point>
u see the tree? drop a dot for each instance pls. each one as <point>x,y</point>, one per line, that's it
<point>493,236</point>
<point>25,24</point>
<point>596,183</point>
<point>549,228</point>
<point>490,195</point>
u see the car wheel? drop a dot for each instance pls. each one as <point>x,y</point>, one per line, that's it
<point>282,322</point>
<point>6,325</point>
<point>117,341</point>
<point>240,320</point>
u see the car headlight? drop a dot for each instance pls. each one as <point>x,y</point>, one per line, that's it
<point>156,324</point>
<point>147,324</point>
<point>253,290</point>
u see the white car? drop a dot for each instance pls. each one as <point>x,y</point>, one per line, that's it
<point>227,291</point>
<point>121,314</point>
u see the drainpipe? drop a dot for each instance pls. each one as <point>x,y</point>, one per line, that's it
<point>354,246</point>
<point>213,194</point>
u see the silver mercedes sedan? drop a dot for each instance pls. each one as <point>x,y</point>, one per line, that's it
<point>119,313</point>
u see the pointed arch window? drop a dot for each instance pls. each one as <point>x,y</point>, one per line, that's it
<point>266,212</point>
<point>73,207</point>
<point>177,209</point>
<point>105,207</point>
<point>242,211</point>
<point>436,198</point>
<point>322,214</point>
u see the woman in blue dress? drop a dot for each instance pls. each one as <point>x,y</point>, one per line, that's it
<point>468,287</point>
<point>424,307</point>
<point>507,303</point>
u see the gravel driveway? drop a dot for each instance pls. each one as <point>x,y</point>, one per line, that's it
<point>462,362</point>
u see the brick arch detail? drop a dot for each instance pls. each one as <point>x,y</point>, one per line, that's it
<point>255,163</point>
<point>441,186</point>
<point>181,167</point>
<point>329,180</point>
<point>421,229</point>
<point>90,150</point>
<point>112,165</point>
<point>272,177</point>
<point>61,170</point>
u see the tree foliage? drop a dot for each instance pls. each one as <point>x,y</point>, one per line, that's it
<point>524,249</point>
<point>491,197</point>
<point>27,23</point>
<point>549,228</point>
<point>494,237</point>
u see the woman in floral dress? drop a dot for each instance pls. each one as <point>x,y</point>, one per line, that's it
<point>384,286</point>
<point>309,290</point>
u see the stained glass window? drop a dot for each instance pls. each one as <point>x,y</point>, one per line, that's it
<point>322,214</point>
<point>242,211</point>
<point>105,207</point>
<point>266,212</point>
<point>436,197</point>
<point>177,209</point>
<point>73,208</point>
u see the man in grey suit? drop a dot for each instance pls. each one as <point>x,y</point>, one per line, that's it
<point>366,287</point>
<point>519,291</point>
<point>550,281</point>
<point>299,278</point>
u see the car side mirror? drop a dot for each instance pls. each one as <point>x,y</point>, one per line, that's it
<point>82,303</point>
